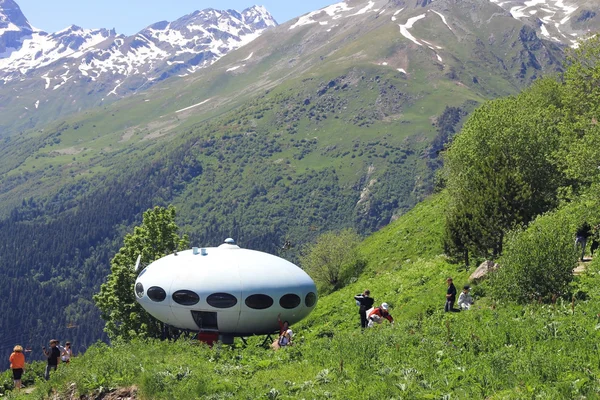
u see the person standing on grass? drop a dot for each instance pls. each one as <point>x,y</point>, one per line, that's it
<point>17,364</point>
<point>52,354</point>
<point>365,303</point>
<point>450,296</point>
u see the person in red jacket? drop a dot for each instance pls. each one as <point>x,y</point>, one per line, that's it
<point>377,314</point>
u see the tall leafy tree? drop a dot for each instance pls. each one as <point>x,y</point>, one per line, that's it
<point>579,154</point>
<point>156,237</point>
<point>499,170</point>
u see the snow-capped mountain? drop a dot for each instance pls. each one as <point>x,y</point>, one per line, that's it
<point>13,26</point>
<point>103,63</point>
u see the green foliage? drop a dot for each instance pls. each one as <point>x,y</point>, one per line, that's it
<point>579,154</point>
<point>538,262</point>
<point>332,258</point>
<point>155,238</point>
<point>499,172</point>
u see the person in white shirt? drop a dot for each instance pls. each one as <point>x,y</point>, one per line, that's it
<point>465,300</point>
<point>66,353</point>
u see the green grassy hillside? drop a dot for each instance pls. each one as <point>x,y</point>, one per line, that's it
<point>494,351</point>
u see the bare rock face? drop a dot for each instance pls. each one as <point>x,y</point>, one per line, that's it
<point>483,270</point>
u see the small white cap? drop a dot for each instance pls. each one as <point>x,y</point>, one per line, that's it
<point>384,306</point>
<point>229,241</point>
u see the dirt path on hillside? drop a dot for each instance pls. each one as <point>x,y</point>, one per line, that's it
<point>582,266</point>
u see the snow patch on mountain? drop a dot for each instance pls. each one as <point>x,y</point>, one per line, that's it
<point>364,10</point>
<point>409,24</point>
<point>195,105</point>
<point>396,13</point>
<point>335,11</point>
<point>443,18</point>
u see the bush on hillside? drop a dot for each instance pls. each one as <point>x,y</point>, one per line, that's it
<point>333,259</point>
<point>538,261</point>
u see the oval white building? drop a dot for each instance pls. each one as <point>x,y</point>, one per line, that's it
<point>225,289</point>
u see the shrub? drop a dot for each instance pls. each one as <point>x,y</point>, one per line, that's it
<point>333,259</point>
<point>538,261</point>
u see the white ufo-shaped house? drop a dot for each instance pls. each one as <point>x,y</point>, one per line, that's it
<point>225,289</point>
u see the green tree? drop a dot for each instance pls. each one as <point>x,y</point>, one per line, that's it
<point>579,154</point>
<point>155,238</point>
<point>499,170</point>
<point>538,261</point>
<point>332,257</point>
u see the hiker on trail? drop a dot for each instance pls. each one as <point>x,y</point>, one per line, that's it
<point>465,300</point>
<point>17,364</point>
<point>581,236</point>
<point>52,354</point>
<point>450,297</point>
<point>364,302</point>
<point>67,353</point>
<point>285,335</point>
<point>377,314</point>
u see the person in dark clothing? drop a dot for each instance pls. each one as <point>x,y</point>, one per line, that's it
<point>365,303</point>
<point>581,236</point>
<point>450,297</point>
<point>52,354</point>
<point>595,236</point>
<point>594,246</point>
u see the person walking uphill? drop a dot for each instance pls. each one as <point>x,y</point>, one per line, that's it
<point>365,303</point>
<point>52,354</point>
<point>17,364</point>
<point>450,296</point>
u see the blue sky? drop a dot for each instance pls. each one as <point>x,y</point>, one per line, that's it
<point>131,16</point>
